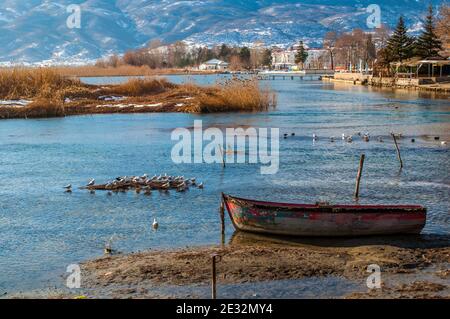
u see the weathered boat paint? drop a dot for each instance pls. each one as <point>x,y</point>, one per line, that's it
<point>324,220</point>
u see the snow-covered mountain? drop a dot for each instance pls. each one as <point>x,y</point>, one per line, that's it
<point>36,30</point>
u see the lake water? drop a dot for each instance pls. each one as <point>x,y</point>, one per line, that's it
<point>44,230</point>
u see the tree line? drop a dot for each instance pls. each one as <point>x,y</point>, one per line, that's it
<point>429,44</point>
<point>380,48</point>
<point>156,55</point>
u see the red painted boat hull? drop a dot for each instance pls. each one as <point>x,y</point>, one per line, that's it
<point>324,220</point>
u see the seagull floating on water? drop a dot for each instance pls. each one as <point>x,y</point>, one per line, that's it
<point>201,186</point>
<point>155,224</point>
<point>68,186</point>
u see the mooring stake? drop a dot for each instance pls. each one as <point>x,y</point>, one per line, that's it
<point>358,177</point>
<point>222,217</point>
<point>398,150</point>
<point>215,258</point>
<point>222,153</point>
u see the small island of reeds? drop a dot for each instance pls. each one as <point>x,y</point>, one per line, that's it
<point>44,92</point>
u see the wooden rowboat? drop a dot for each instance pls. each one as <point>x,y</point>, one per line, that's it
<point>324,219</point>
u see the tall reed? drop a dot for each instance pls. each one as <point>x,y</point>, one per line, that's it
<point>237,95</point>
<point>18,83</point>
<point>140,87</point>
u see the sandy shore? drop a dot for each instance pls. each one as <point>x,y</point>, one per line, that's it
<point>412,267</point>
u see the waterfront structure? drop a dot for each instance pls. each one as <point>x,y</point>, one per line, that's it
<point>214,65</point>
<point>284,59</point>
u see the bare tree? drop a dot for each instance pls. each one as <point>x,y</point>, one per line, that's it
<point>443,27</point>
<point>329,43</point>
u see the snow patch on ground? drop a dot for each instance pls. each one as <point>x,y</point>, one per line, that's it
<point>14,103</point>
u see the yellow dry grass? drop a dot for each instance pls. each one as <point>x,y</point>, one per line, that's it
<point>56,95</point>
<point>236,95</point>
<point>121,70</point>
<point>18,83</point>
<point>140,87</point>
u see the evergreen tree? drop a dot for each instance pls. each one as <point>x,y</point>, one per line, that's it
<point>400,46</point>
<point>244,55</point>
<point>267,58</point>
<point>428,43</point>
<point>225,52</point>
<point>301,55</point>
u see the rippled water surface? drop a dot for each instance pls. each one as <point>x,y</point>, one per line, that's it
<point>43,229</point>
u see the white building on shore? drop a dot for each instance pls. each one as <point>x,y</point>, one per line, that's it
<point>214,65</point>
<point>285,59</point>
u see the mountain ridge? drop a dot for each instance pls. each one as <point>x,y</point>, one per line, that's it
<point>36,30</point>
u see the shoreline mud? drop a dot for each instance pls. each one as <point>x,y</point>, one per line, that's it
<point>411,267</point>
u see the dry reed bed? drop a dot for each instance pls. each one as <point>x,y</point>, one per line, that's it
<point>121,70</point>
<point>53,94</point>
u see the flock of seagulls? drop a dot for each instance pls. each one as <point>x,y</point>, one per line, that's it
<point>349,138</point>
<point>365,136</point>
<point>142,184</point>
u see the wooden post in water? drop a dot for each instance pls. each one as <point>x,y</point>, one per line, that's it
<point>222,153</point>
<point>214,278</point>
<point>222,217</point>
<point>222,221</point>
<point>358,177</point>
<point>398,150</point>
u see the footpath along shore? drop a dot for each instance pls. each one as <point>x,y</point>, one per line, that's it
<point>366,80</point>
